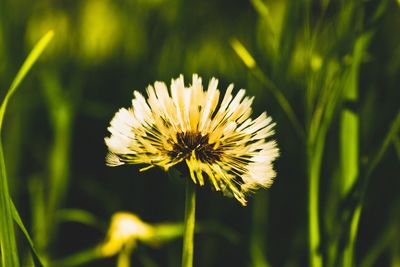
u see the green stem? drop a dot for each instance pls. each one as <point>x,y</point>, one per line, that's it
<point>348,252</point>
<point>258,233</point>
<point>8,242</point>
<point>190,220</point>
<point>314,165</point>
<point>124,258</point>
<point>313,224</point>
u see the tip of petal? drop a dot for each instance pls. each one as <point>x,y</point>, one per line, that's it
<point>113,160</point>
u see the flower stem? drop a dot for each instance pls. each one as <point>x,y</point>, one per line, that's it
<point>124,258</point>
<point>314,166</point>
<point>190,220</point>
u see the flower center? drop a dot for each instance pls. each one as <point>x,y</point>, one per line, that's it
<point>194,142</point>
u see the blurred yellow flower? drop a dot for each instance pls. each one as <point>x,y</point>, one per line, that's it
<point>223,143</point>
<point>125,230</point>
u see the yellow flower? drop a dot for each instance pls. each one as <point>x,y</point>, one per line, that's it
<point>217,140</point>
<point>125,230</point>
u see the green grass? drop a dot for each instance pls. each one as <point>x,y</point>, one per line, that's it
<point>8,212</point>
<point>331,88</point>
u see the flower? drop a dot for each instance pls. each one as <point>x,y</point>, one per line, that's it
<point>216,140</point>
<point>125,230</point>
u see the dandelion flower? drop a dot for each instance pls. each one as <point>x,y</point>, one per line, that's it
<point>217,140</point>
<point>125,230</point>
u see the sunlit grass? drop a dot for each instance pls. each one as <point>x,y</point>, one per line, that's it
<point>8,212</point>
<point>331,88</point>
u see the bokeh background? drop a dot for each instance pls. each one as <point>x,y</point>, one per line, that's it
<point>328,57</point>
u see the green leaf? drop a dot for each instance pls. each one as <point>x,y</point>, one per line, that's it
<point>79,216</point>
<point>251,64</point>
<point>79,258</point>
<point>390,136</point>
<point>9,252</point>
<point>26,66</point>
<point>21,225</point>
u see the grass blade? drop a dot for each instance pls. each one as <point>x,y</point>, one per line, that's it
<point>251,64</point>
<point>391,135</point>
<point>9,253</point>
<point>320,122</point>
<point>80,258</point>
<point>80,216</point>
<point>26,66</point>
<point>21,225</point>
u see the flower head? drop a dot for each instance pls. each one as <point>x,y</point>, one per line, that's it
<point>216,140</point>
<point>125,230</point>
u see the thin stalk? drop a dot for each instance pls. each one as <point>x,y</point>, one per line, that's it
<point>313,213</point>
<point>282,100</point>
<point>315,148</point>
<point>313,206</point>
<point>391,135</point>
<point>255,70</point>
<point>59,158</point>
<point>190,220</point>
<point>48,195</point>
<point>348,253</point>
<point>124,258</point>
<point>61,111</point>
<point>259,226</point>
<point>8,243</point>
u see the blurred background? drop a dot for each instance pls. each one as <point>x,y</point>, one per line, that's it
<point>324,70</point>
